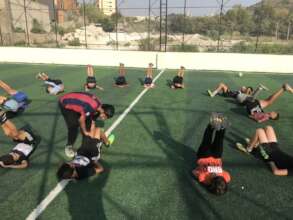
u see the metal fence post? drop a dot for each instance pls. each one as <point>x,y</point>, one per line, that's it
<point>55,23</point>
<point>26,25</point>
<point>184,25</point>
<point>220,25</point>
<point>84,23</point>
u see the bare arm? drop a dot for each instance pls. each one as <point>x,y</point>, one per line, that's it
<point>276,171</point>
<point>24,164</point>
<point>83,126</point>
<point>98,167</point>
<point>100,88</point>
<point>104,138</point>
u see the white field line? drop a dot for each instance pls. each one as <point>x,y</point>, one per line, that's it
<point>62,184</point>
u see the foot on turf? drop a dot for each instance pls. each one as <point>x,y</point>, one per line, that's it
<point>69,151</point>
<point>210,93</point>
<point>241,147</point>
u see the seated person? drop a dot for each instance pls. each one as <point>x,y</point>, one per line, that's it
<point>91,82</point>
<point>209,169</point>
<point>264,144</point>
<point>121,80</point>
<point>255,107</point>
<point>17,101</point>
<point>53,86</point>
<point>178,79</point>
<point>148,80</point>
<point>21,136</point>
<point>86,161</point>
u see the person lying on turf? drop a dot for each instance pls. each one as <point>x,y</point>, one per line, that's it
<point>240,95</point>
<point>120,81</point>
<point>148,81</point>
<point>10,130</point>
<point>255,107</point>
<point>209,169</point>
<point>79,110</point>
<point>53,86</point>
<point>265,144</point>
<point>17,101</point>
<point>19,156</point>
<point>86,161</point>
<point>91,82</point>
<point>178,79</point>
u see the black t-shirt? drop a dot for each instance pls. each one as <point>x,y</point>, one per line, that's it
<point>253,107</point>
<point>87,154</point>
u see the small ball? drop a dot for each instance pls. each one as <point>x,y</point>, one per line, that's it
<point>240,74</point>
<point>242,187</point>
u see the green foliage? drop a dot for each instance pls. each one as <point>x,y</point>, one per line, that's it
<point>18,30</point>
<point>243,47</point>
<point>37,27</point>
<point>108,25</point>
<point>184,48</point>
<point>74,42</point>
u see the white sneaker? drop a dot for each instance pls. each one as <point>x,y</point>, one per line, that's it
<point>69,151</point>
<point>247,140</point>
<point>288,88</point>
<point>263,87</point>
<point>210,93</point>
<point>241,147</point>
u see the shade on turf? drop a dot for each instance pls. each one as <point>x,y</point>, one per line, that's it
<point>148,167</point>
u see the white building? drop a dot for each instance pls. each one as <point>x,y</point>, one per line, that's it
<point>107,6</point>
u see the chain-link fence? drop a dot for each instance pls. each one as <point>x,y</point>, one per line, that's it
<point>150,25</point>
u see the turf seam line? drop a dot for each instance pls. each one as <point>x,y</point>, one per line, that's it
<point>62,184</point>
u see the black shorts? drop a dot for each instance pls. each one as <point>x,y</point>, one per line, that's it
<point>55,81</point>
<point>90,147</point>
<point>91,82</point>
<point>280,158</point>
<point>230,94</point>
<point>253,106</point>
<point>148,81</point>
<point>178,80</point>
<point>120,81</point>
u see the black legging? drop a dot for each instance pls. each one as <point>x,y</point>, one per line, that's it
<point>210,148</point>
<point>72,122</point>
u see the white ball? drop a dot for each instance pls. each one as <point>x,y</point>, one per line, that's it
<point>240,74</point>
<point>242,187</point>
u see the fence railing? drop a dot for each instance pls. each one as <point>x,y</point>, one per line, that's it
<point>152,25</point>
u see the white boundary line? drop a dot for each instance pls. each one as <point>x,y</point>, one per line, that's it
<point>62,184</point>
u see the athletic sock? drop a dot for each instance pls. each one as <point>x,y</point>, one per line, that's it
<point>3,117</point>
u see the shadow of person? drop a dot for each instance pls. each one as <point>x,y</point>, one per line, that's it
<point>85,197</point>
<point>141,81</point>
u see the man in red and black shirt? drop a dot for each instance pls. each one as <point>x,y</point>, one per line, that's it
<point>80,109</point>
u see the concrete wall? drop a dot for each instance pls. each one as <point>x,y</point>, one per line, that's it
<point>40,11</point>
<point>200,61</point>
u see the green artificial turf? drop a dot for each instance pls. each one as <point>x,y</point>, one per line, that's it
<point>148,167</point>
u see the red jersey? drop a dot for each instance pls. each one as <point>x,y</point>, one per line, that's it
<point>83,103</point>
<point>207,168</point>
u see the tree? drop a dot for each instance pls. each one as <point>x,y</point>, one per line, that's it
<point>37,27</point>
<point>108,25</point>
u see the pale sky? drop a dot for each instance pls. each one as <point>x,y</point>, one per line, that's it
<point>195,7</point>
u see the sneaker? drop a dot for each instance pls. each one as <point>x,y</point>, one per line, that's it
<point>261,86</point>
<point>216,120</point>
<point>210,93</point>
<point>241,147</point>
<point>111,139</point>
<point>69,151</point>
<point>287,88</point>
<point>247,140</point>
<point>39,76</point>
